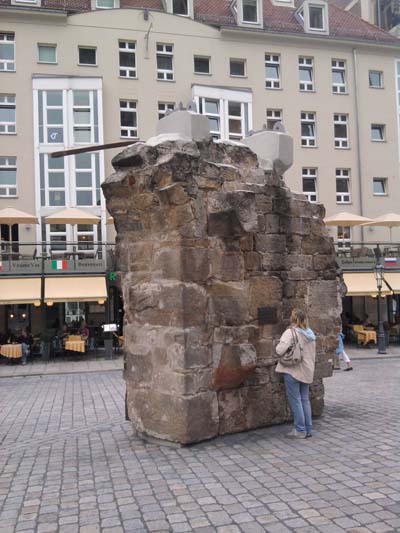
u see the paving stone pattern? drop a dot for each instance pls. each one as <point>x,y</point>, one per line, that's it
<point>69,462</point>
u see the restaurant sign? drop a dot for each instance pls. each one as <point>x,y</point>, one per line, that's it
<point>29,266</point>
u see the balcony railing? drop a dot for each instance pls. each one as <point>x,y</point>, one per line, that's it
<point>56,258</point>
<point>353,256</point>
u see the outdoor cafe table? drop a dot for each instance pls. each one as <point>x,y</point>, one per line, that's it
<point>365,336</point>
<point>11,351</point>
<point>75,345</point>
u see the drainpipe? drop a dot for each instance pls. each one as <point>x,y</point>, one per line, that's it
<point>359,160</point>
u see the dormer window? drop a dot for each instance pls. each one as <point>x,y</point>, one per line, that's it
<point>313,16</point>
<point>180,7</point>
<point>316,14</point>
<point>250,11</point>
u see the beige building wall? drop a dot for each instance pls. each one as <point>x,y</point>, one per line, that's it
<point>103,29</point>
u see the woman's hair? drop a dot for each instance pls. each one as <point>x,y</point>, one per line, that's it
<point>299,318</point>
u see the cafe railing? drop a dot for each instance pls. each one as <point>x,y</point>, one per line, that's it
<point>56,258</point>
<point>364,256</point>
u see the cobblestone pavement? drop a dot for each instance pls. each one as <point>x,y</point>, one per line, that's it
<point>69,462</point>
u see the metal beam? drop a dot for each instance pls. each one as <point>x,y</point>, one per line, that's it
<point>94,148</point>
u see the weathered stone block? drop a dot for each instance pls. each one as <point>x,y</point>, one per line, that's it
<point>205,238</point>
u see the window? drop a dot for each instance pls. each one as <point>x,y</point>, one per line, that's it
<point>308,133</point>
<point>306,75</point>
<point>57,236</point>
<point>52,180</point>
<point>343,194</point>
<point>7,52</point>
<point>180,7</point>
<point>235,120</point>
<point>163,107</point>
<point>380,186</point>
<point>376,79</point>
<point>127,59</point>
<point>272,71</point>
<point>250,11</point>
<point>87,55</point>
<point>47,53</point>
<point>211,108</point>
<point>339,76</point>
<point>8,176</point>
<point>273,116</point>
<point>85,235</point>
<point>7,113</point>
<point>237,68</point>
<point>378,132</point>
<point>104,4</point>
<point>84,179</point>
<point>51,117</point>
<point>165,65</point>
<point>201,65</point>
<point>309,177</point>
<point>84,114</point>
<point>344,237</point>
<point>316,14</point>
<point>340,124</point>
<point>128,116</point>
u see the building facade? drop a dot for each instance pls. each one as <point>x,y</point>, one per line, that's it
<point>78,73</point>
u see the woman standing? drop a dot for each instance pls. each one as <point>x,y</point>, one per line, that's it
<point>297,378</point>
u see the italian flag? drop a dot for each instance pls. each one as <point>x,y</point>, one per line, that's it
<point>59,265</point>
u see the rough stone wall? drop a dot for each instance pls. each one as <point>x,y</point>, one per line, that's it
<point>205,239</point>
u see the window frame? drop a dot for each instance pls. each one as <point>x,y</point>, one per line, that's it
<point>162,74</point>
<point>5,104</point>
<point>310,173</point>
<point>9,163</point>
<point>131,108</point>
<point>238,60</point>
<point>273,115</point>
<point>384,182</point>
<point>257,9</point>
<point>306,63</point>
<point>127,50</point>
<point>322,9</point>
<point>201,58</point>
<point>187,14</point>
<point>382,129</point>
<point>343,174</point>
<point>272,60</point>
<point>308,117</point>
<point>163,112</point>
<point>54,47</point>
<point>103,7</point>
<point>380,72</point>
<point>77,126</point>
<point>5,62</point>
<point>338,68</point>
<point>341,119</point>
<point>82,47</point>
<point>344,242</point>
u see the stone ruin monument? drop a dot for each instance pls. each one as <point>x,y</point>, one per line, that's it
<point>214,251</point>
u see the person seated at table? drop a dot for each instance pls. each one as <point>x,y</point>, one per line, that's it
<point>26,341</point>
<point>84,331</point>
<point>63,333</point>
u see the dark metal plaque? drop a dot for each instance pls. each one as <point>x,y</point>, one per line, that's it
<point>267,315</point>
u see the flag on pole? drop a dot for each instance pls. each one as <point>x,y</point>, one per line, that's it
<point>59,264</point>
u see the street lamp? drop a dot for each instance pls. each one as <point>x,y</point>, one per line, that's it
<point>379,269</point>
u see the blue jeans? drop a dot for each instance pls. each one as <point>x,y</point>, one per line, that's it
<point>298,394</point>
<point>24,352</point>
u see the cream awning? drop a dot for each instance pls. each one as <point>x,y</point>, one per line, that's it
<point>75,289</point>
<point>393,278</point>
<point>20,291</point>
<point>363,284</point>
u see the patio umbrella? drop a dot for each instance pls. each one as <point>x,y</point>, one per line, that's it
<point>72,216</point>
<point>346,219</point>
<point>110,221</point>
<point>11,216</point>
<point>390,220</point>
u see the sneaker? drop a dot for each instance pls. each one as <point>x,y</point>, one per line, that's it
<point>294,434</point>
<point>24,362</point>
<point>348,369</point>
<point>308,435</point>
